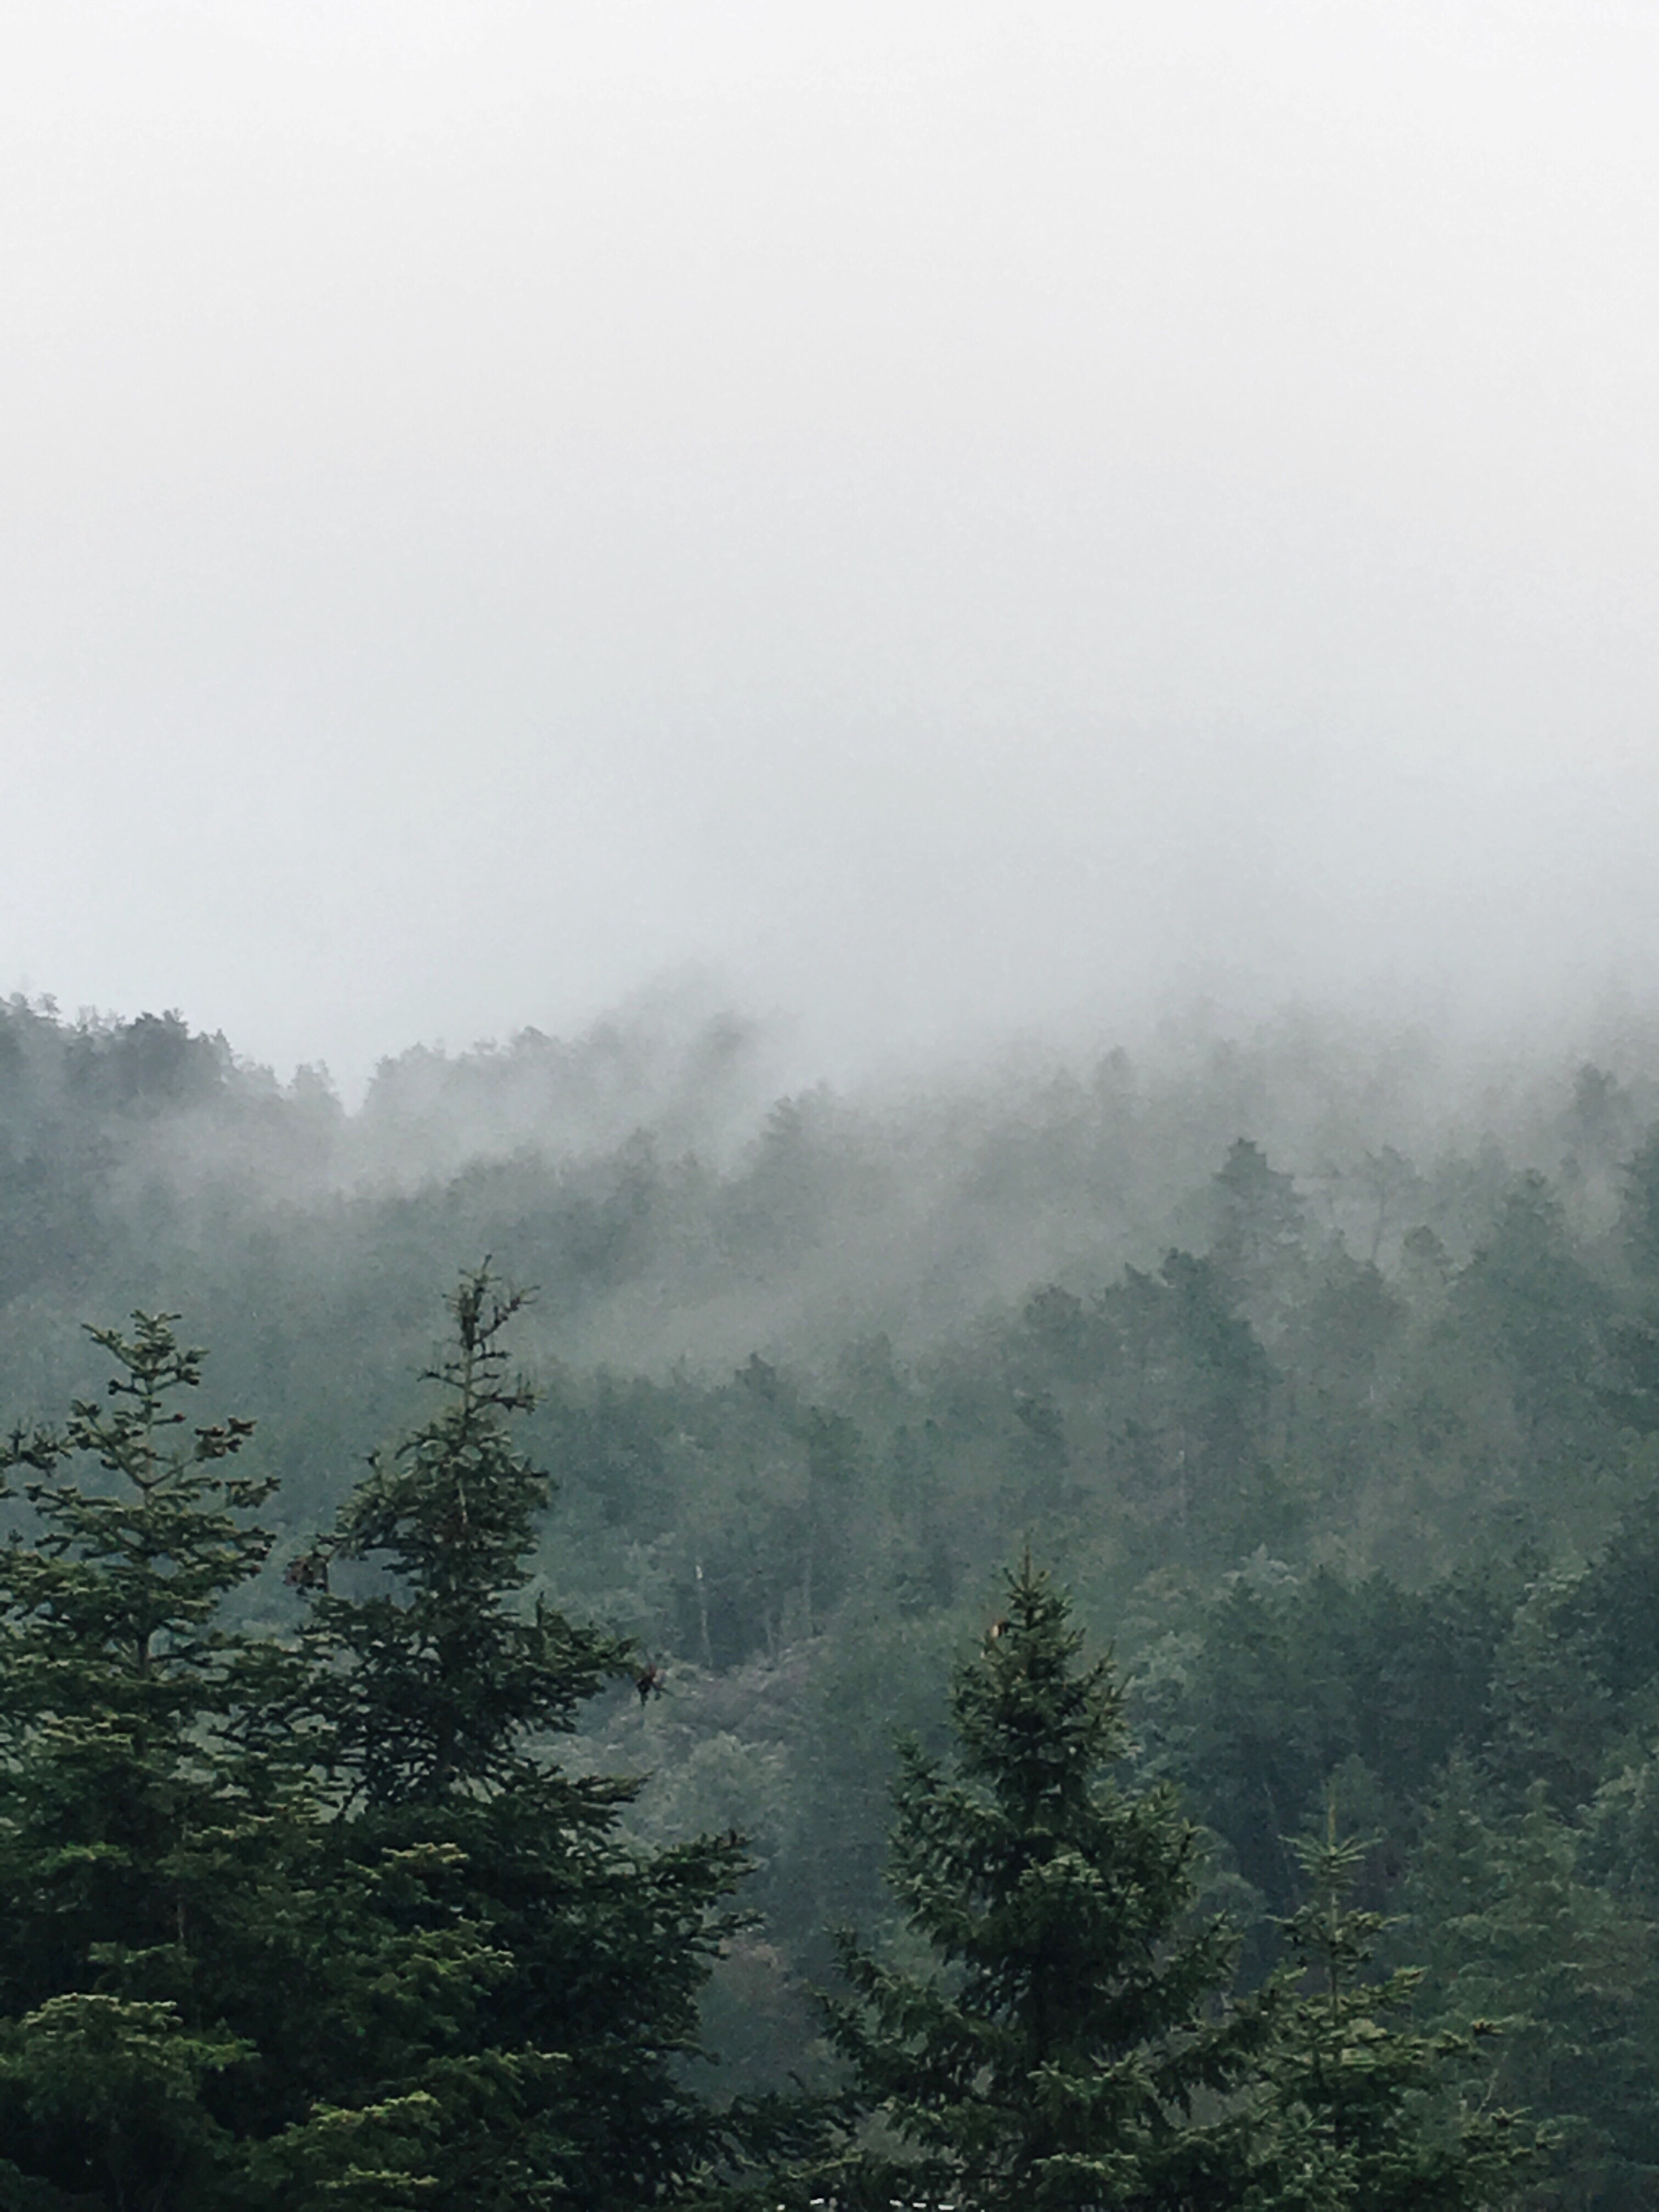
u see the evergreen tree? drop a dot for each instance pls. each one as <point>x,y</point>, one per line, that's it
<point>1257,1250</point>
<point>200,2004</point>
<point>126,1797</point>
<point>436,1682</point>
<point>1069,2044</point>
<point>1639,1213</point>
<point>1364,2114</point>
<point>1544,1315</point>
<point>442,1697</point>
<point>1537,1921</point>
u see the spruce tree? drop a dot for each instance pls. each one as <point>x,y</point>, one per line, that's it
<point>1366,2112</point>
<point>442,1699</point>
<point>125,1797</point>
<point>1529,1918</point>
<point>1070,2044</point>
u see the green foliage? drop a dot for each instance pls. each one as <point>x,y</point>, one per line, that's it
<point>302,1927</point>
<point>436,1684</point>
<point>1509,1922</point>
<point>1256,1240</point>
<point>110,2091</point>
<point>1296,1677</point>
<point>1353,1443</point>
<point>1057,2031</point>
<point>130,1788</point>
<point>187,1964</point>
<point>439,1699</point>
<point>1366,2112</point>
<point>1056,2049</point>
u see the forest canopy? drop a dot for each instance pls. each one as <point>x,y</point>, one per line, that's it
<point>1326,1383</point>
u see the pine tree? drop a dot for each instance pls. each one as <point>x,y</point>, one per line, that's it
<point>1365,2111</point>
<point>184,1972</point>
<point>442,1699</point>
<point>442,1682</point>
<point>1070,2045</point>
<point>126,1797</point>
<point>1530,1918</point>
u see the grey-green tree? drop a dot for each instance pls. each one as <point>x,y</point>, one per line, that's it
<point>1366,2112</point>
<point>441,1697</point>
<point>1068,2041</point>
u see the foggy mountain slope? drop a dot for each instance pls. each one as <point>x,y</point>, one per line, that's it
<point>639,1175</point>
<point>672,1210</point>
<point>1323,1362</point>
<point>1077,584</point>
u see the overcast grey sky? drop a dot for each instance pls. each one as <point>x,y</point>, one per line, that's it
<point>947,516</point>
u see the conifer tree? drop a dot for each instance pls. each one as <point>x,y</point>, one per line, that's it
<point>1528,1918</point>
<point>127,1800</point>
<point>443,1699</point>
<point>1070,2045</point>
<point>1365,2111</point>
<point>193,1991</point>
<point>444,1687</point>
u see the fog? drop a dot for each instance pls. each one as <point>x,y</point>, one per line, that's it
<point>933,522</point>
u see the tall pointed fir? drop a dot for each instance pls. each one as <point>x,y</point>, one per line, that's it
<point>1369,2114</point>
<point>123,1798</point>
<point>443,1697</point>
<point>1070,2044</point>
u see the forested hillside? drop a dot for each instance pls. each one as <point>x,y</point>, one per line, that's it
<point>1324,1373</point>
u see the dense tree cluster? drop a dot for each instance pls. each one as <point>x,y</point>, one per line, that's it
<point>1070,2044</point>
<point>1335,1398</point>
<point>298,1921</point>
<point>321,1919</point>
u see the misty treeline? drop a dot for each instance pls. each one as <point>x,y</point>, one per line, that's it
<point>1327,1379</point>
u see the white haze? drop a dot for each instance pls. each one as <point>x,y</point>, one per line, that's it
<point>948,519</point>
